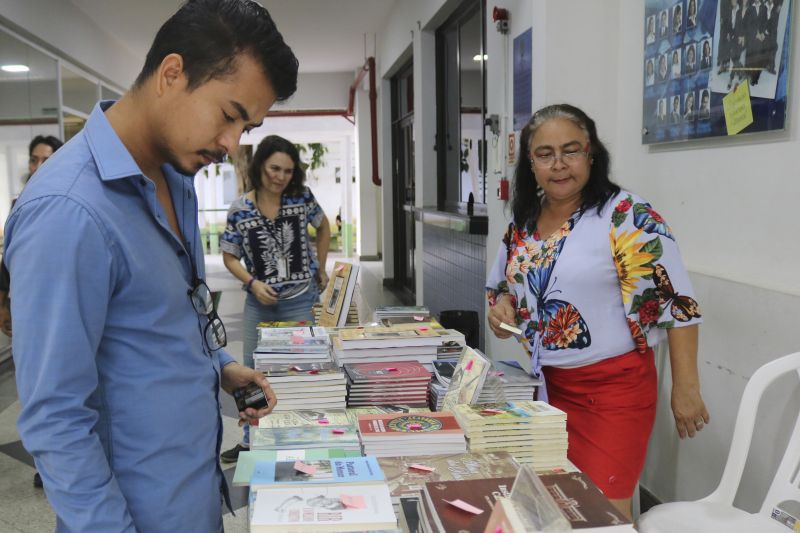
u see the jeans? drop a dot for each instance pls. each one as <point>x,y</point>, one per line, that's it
<point>296,309</point>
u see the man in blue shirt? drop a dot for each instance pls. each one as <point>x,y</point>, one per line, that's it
<point>117,352</point>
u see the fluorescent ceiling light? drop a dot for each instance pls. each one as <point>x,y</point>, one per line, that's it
<point>15,68</point>
<point>478,57</point>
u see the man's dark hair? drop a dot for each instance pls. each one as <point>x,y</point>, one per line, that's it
<point>526,202</point>
<point>275,144</point>
<point>51,141</point>
<point>210,34</point>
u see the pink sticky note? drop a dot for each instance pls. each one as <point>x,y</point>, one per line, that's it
<point>498,374</point>
<point>313,371</point>
<point>323,421</point>
<point>498,529</point>
<point>464,506</point>
<point>338,268</point>
<point>297,340</point>
<point>422,468</point>
<point>414,426</point>
<point>391,369</point>
<point>419,318</point>
<point>354,502</point>
<point>297,333</point>
<point>338,431</point>
<point>304,468</point>
<point>469,364</point>
<point>492,411</point>
<point>295,368</point>
<point>424,328</point>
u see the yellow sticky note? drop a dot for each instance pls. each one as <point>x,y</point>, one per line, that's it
<point>737,107</point>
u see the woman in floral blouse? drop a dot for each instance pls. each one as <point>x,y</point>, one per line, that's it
<point>593,277</point>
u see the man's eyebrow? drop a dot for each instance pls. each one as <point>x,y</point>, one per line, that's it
<point>242,111</point>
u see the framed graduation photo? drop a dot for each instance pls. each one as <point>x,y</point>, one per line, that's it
<point>709,55</point>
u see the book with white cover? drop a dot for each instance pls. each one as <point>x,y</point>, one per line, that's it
<point>323,508</point>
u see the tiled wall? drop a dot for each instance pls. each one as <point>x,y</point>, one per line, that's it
<point>454,271</point>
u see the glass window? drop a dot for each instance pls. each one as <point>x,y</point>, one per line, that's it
<point>80,94</point>
<point>461,104</point>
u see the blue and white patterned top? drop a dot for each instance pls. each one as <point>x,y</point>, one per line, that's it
<point>276,251</point>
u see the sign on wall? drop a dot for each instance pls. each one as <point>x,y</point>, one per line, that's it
<point>714,68</point>
<point>523,82</point>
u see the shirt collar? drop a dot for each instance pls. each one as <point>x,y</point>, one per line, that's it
<point>114,161</point>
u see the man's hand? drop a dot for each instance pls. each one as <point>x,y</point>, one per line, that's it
<point>501,311</point>
<point>235,376</point>
<point>264,293</point>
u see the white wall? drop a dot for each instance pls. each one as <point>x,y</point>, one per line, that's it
<point>65,28</point>
<point>329,90</point>
<point>369,202</point>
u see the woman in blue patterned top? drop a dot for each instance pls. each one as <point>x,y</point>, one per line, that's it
<point>268,228</point>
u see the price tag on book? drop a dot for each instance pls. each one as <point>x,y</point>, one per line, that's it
<point>422,468</point>
<point>391,369</point>
<point>338,268</point>
<point>304,468</point>
<point>297,339</point>
<point>424,328</point>
<point>338,431</point>
<point>295,368</point>
<point>492,411</point>
<point>313,371</point>
<point>414,426</point>
<point>419,318</point>
<point>323,421</point>
<point>498,529</point>
<point>353,502</point>
<point>464,506</point>
<point>469,364</point>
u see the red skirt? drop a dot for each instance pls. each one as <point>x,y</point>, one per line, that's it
<point>611,408</point>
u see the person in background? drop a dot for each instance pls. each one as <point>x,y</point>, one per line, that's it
<point>119,353</point>
<point>268,228</point>
<point>592,275</point>
<point>39,150</point>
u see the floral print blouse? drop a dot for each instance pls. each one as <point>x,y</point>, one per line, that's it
<point>600,286</point>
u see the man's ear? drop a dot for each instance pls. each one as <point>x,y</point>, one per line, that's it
<point>170,74</point>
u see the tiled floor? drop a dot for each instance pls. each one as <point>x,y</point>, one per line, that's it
<point>24,509</point>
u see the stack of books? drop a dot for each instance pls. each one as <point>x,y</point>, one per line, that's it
<point>533,432</point>
<point>307,385</point>
<point>246,463</point>
<point>376,344</point>
<point>400,382</point>
<point>354,412</point>
<point>401,314</point>
<point>289,345</point>
<point>516,382</point>
<point>392,435</point>
<point>348,494</point>
<point>442,372</point>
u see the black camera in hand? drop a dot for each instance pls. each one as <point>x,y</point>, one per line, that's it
<point>250,396</point>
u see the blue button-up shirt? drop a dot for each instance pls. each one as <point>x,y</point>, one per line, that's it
<point>119,395</point>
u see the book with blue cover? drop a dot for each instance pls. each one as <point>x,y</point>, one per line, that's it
<point>339,471</point>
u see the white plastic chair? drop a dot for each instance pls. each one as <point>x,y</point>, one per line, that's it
<point>715,512</point>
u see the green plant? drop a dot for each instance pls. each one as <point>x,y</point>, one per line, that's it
<point>318,151</point>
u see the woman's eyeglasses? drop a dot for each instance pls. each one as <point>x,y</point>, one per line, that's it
<point>214,333</point>
<point>567,157</point>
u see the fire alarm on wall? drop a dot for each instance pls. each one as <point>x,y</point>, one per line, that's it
<point>500,18</point>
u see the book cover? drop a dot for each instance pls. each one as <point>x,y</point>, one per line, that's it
<point>301,371</point>
<point>411,424</point>
<point>387,372</point>
<point>381,337</point>
<point>322,508</point>
<point>481,493</point>
<point>581,502</point>
<point>304,437</point>
<point>521,412</point>
<point>305,417</point>
<point>515,375</point>
<point>403,480</point>
<point>338,294</point>
<point>467,380</point>
<point>247,460</point>
<point>347,470</point>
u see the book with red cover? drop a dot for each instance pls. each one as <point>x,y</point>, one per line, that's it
<point>480,493</point>
<point>397,425</point>
<point>389,371</point>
